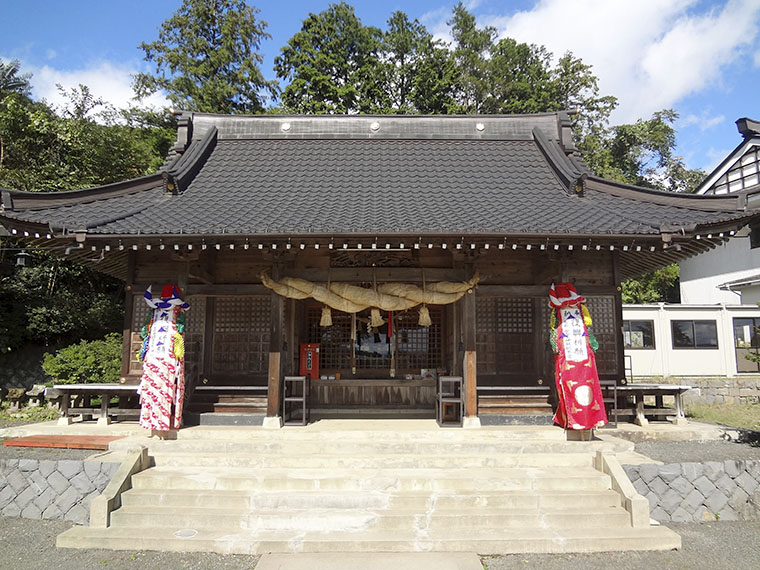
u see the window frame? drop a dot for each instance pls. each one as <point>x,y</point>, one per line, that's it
<point>694,323</point>
<point>627,329</point>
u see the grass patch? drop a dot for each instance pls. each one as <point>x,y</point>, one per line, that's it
<point>28,415</point>
<point>738,415</point>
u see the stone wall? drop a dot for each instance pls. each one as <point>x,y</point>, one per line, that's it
<point>23,368</point>
<point>737,390</point>
<point>692,492</point>
<point>55,490</point>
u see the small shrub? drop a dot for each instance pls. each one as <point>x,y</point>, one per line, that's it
<point>89,362</point>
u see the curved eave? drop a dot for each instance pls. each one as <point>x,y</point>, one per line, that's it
<point>724,203</point>
<point>15,200</point>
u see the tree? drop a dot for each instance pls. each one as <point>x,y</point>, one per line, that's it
<point>643,153</point>
<point>405,52</point>
<point>42,151</point>
<point>207,58</point>
<point>520,79</point>
<point>11,81</point>
<point>471,49</point>
<point>660,285</point>
<point>332,65</point>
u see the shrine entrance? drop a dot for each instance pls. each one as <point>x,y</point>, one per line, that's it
<point>389,369</point>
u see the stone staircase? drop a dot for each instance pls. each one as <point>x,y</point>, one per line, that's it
<point>375,486</point>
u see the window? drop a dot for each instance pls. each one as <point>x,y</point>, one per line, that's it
<point>638,334</point>
<point>694,334</point>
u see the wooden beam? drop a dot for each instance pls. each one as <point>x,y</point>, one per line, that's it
<point>619,345</point>
<point>275,349</point>
<point>538,290</point>
<point>470,384</point>
<point>381,274</point>
<point>470,369</point>
<point>237,290</point>
<point>126,341</point>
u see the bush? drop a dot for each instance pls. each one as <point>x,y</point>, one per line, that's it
<point>89,362</point>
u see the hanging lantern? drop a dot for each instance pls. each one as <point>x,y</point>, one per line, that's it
<point>424,320</point>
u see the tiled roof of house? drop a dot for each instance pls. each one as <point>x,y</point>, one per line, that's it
<point>364,175</point>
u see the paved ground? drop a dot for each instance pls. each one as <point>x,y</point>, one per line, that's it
<point>714,546</point>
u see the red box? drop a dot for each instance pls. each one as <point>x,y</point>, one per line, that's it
<point>309,361</point>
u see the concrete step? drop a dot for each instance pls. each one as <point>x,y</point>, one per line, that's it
<point>467,480</point>
<point>326,461</point>
<point>481,541</point>
<point>366,500</point>
<point>353,447</point>
<point>352,520</point>
<point>365,430</point>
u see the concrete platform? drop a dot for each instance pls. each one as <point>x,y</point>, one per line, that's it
<point>372,561</point>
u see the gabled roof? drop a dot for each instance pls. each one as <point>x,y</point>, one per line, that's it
<point>740,170</point>
<point>277,177</point>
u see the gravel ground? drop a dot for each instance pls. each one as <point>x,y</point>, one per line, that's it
<point>697,451</point>
<point>37,551</point>
<point>716,546</point>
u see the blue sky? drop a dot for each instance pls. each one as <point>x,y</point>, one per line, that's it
<point>699,57</point>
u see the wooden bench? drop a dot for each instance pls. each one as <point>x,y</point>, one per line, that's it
<point>83,394</point>
<point>637,393</point>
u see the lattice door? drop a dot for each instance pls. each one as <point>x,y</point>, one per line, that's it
<point>241,336</point>
<point>602,310</point>
<point>505,337</point>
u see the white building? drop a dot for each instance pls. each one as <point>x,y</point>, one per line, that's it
<point>691,340</point>
<point>730,273</point>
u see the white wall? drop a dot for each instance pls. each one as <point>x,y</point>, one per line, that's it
<point>701,274</point>
<point>664,360</point>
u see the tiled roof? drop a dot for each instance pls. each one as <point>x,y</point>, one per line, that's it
<point>419,176</point>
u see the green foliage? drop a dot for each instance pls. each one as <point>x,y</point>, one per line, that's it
<point>11,81</point>
<point>472,46</point>
<point>87,146</point>
<point>53,301</point>
<point>207,58</point>
<point>89,362</point>
<point>28,414</point>
<point>660,285</point>
<point>332,65</point>
<point>642,154</point>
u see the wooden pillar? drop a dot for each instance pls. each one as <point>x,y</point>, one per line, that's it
<point>470,362</point>
<point>129,302</point>
<point>274,393</point>
<point>619,344</point>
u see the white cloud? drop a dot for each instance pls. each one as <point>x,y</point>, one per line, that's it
<point>109,81</point>
<point>757,59</point>
<point>648,53</point>
<point>703,120</point>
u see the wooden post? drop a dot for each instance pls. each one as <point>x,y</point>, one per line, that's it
<point>129,302</point>
<point>274,394</point>
<point>471,419</point>
<point>619,344</point>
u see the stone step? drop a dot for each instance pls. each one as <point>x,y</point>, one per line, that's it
<point>369,500</point>
<point>351,447</point>
<point>375,461</point>
<point>483,542</point>
<point>364,430</point>
<point>466,480</point>
<point>430,518</point>
<point>515,409</point>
